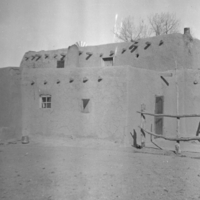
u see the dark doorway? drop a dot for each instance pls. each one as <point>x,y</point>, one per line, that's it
<point>159,107</point>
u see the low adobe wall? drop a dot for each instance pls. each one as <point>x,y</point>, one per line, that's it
<point>10,103</point>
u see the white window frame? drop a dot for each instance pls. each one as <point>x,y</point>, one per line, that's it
<point>45,101</point>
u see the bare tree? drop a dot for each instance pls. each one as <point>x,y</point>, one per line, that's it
<point>128,31</point>
<point>158,24</point>
<point>164,23</point>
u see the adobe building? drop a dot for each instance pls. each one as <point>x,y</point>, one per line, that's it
<point>96,91</point>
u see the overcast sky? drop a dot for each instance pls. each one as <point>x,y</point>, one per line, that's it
<point>34,25</point>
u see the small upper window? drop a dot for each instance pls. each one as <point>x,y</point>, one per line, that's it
<point>60,63</point>
<point>108,61</point>
<point>85,105</point>
<point>45,101</point>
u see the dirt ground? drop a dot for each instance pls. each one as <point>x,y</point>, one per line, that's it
<point>58,170</point>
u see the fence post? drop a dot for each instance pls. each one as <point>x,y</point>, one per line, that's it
<point>142,125</point>
<point>177,145</point>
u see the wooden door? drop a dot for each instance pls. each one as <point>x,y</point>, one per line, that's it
<point>159,107</point>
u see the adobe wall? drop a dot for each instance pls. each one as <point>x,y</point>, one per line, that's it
<point>143,86</point>
<point>119,95</point>
<point>156,53</point>
<point>188,101</point>
<point>10,103</point>
<point>105,87</point>
<point>42,59</point>
<point>115,93</point>
<point>161,53</point>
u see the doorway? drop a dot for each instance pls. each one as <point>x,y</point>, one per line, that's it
<point>159,108</point>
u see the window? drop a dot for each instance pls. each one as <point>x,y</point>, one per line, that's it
<point>108,61</point>
<point>85,105</point>
<point>60,63</point>
<point>45,101</point>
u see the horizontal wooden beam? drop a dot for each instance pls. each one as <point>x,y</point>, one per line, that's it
<point>166,115</point>
<point>170,138</point>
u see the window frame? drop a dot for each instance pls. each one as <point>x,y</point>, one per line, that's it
<point>45,101</point>
<point>60,64</point>
<point>107,60</point>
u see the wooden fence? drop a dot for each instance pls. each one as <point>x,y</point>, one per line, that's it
<point>178,138</point>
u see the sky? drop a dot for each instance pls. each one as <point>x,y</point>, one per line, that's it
<point>34,25</point>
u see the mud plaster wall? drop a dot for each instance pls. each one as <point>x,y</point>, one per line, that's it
<point>10,103</point>
<point>107,118</point>
<point>189,101</point>
<point>164,53</point>
<point>114,101</point>
<point>49,59</point>
<point>143,86</point>
<point>159,53</point>
<point>44,59</point>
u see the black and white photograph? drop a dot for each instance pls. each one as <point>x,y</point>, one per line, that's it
<point>99,100</point>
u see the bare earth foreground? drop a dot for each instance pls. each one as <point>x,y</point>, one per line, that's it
<point>58,170</point>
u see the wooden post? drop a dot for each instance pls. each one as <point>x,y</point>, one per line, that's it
<point>177,145</point>
<point>142,124</point>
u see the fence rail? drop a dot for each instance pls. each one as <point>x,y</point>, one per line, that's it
<point>184,139</point>
<point>177,138</point>
<point>167,115</point>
